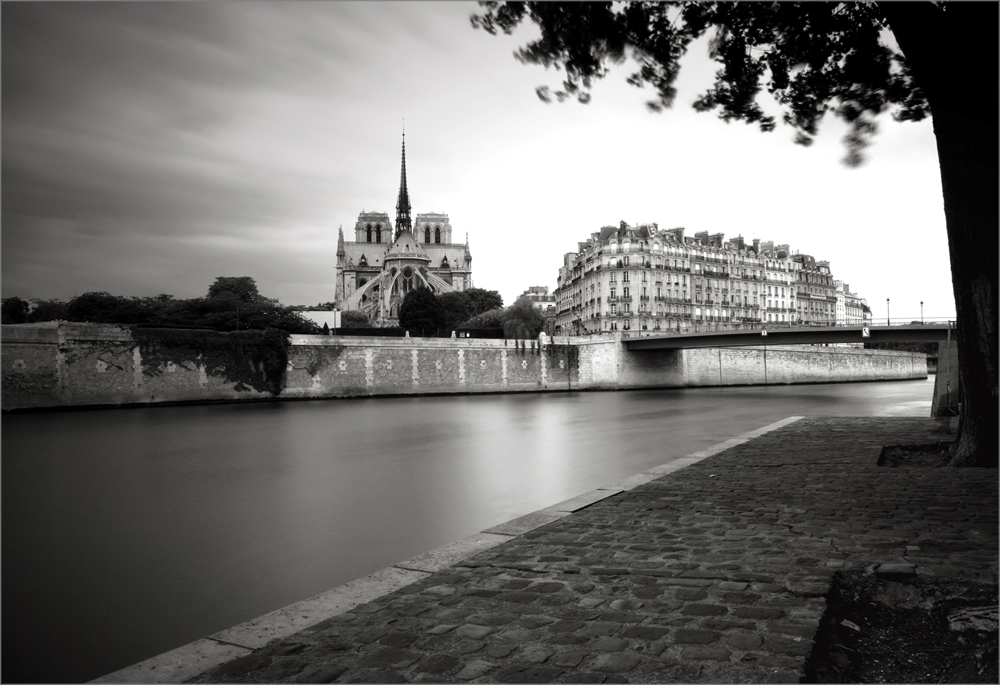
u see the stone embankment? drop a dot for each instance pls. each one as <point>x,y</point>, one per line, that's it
<point>711,569</point>
<point>71,364</point>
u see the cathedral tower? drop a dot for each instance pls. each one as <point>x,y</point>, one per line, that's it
<point>403,222</point>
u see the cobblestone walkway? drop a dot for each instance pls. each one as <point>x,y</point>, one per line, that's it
<point>714,573</point>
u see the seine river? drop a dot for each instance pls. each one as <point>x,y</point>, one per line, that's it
<point>129,532</point>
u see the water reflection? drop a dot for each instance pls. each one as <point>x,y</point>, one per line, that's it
<point>129,532</point>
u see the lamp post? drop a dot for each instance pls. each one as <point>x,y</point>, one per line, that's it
<point>921,312</point>
<point>887,312</point>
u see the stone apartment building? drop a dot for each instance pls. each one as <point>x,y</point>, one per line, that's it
<point>852,309</point>
<point>648,280</point>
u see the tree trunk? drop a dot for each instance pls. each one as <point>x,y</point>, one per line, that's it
<point>953,53</point>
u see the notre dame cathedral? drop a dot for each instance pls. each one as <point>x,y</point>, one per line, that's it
<point>383,263</point>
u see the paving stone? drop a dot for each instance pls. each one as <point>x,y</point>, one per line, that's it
<point>473,631</point>
<point>599,628</point>
<point>705,610</point>
<point>788,646</point>
<point>475,669</point>
<point>321,673</point>
<point>744,641</point>
<point>467,646</point>
<point>395,639</point>
<point>695,637</point>
<point>527,673</point>
<point>706,653</point>
<point>437,664</point>
<point>570,659</point>
<point>616,663</point>
<point>499,650</point>
<point>375,676</point>
<point>691,595</point>
<point>644,632</point>
<point>609,644</point>
<point>565,626</point>
<point>729,585</point>
<point>535,654</point>
<point>758,612</point>
<point>568,639</point>
<point>390,658</point>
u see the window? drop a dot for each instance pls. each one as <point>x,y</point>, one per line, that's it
<point>625,291</point>
<point>614,309</point>
<point>613,291</point>
<point>625,276</point>
<point>378,233</point>
<point>626,263</point>
<point>369,229</point>
<point>437,234</point>
<point>427,234</point>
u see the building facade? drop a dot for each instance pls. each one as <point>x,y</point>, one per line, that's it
<point>850,306</point>
<point>384,262</point>
<point>650,280</point>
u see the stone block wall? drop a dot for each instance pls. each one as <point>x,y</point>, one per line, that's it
<point>786,364</point>
<point>51,365</point>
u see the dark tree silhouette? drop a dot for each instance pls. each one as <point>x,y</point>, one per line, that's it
<point>815,58</point>
<point>354,318</point>
<point>243,288</point>
<point>15,310</point>
<point>522,321</point>
<point>482,300</point>
<point>455,309</point>
<point>421,313</point>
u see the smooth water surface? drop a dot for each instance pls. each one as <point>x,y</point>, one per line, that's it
<point>128,532</point>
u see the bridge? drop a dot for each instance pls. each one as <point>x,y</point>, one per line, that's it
<point>946,382</point>
<point>939,331</point>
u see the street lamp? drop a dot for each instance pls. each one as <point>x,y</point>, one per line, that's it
<point>921,312</point>
<point>887,312</point>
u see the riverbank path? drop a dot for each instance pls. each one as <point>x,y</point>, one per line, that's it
<point>715,572</point>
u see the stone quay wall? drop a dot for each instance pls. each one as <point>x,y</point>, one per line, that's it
<point>73,364</point>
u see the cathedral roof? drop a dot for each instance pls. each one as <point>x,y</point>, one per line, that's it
<point>406,247</point>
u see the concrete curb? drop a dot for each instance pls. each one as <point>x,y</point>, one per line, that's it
<point>192,659</point>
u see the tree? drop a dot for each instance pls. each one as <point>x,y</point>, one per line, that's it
<point>482,300</point>
<point>491,319</point>
<point>15,310</point>
<point>816,58</point>
<point>522,321</point>
<point>354,318</point>
<point>421,313</point>
<point>48,310</point>
<point>455,310</point>
<point>243,288</point>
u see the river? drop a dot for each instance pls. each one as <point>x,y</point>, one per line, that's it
<point>128,532</point>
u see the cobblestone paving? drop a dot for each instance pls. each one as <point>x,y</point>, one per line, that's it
<point>714,573</point>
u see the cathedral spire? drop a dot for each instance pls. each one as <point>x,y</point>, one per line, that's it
<point>403,222</point>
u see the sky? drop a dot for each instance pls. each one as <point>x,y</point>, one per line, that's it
<point>150,147</point>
